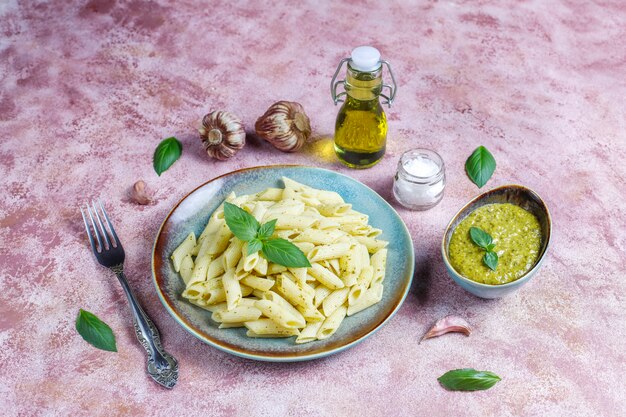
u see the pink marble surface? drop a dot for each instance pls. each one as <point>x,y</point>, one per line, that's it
<point>88,88</point>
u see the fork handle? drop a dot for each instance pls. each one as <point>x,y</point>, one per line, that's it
<point>162,366</point>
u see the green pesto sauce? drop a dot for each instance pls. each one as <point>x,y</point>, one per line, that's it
<point>516,234</point>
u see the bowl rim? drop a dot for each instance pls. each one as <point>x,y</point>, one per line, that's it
<point>528,273</point>
<point>268,356</point>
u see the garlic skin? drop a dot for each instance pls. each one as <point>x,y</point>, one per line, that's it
<point>139,194</point>
<point>222,134</point>
<point>448,324</point>
<point>285,125</point>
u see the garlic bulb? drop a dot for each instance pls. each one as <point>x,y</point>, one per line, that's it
<point>284,125</point>
<point>222,134</point>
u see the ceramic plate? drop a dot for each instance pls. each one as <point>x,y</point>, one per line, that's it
<point>192,214</point>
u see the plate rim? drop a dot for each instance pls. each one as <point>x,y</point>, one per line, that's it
<point>283,357</point>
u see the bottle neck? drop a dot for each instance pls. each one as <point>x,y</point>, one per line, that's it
<point>364,85</point>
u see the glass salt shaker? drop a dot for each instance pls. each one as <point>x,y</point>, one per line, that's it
<point>420,180</point>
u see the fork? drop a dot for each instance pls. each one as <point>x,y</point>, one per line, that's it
<point>162,366</point>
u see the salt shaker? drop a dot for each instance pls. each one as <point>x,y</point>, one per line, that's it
<point>420,180</point>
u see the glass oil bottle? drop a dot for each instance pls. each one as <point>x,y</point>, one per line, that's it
<point>361,125</point>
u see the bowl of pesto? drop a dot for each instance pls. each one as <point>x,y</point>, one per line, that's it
<point>497,242</point>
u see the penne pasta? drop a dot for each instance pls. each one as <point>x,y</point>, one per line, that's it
<point>219,242</point>
<point>350,267</point>
<point>319,237</point>
<point>214,224</point>
<point>249,261</point>
<point>321,292</point>
<point>348,262</point>
<point>325,223</point>
<point>365,277</point>
<point>278,314</point>
<point>268,326</point>
<point>332,323</point>
<point>293,293</point>
<point>373,245</point>
<point>333,265</point>
<point>309,333</point>
<point>351,218</point>
<point>238,314</point>
<point>232,289</point>
<point>379,263</point>
<point>295,222</point>
<point>270,194</point>
<point>371,297</point>
<point>199,272</point>
<point>262,284</point>
<point>186,268</point>
<point>216,268</point>
<point>326,277</point>
<point>310,313</point>
<point>334,300</point>
<point>232,254</point>
<point>334,250</point>
<point>298,275</point>
<point>356,293</point>
<point>274,297</point>
<point>305,247</point>
<point>183,250</point>
<point>337,209</point>
<point>273,269</point>
<point>261,266</point>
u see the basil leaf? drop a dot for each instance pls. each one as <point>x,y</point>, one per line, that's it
<point>267,229</point>
<point>490,247</point>
<point>468,380</point>
<point>240,222</point>
<point>480,166</point>
<point>480,237</point>
<point>254,246</point>
<point>165,154</point>
<point>283,252</point>
<point>491,260</point>
<point>95,331</point>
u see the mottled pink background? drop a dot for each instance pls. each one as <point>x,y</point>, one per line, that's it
<point>88,88</point>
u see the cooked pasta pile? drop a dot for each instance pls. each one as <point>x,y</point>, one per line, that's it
<point>346,274</point>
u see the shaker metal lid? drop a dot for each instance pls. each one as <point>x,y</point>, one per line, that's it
<point>365,58</point>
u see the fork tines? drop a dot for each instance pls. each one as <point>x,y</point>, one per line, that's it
<point>100,231</point>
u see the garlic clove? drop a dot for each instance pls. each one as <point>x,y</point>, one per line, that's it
<point>222,134</point>
<point>448,324</point>
<point>285,125</point>
<point>139,193</point>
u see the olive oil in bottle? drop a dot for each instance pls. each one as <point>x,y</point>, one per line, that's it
<point>361,126</point>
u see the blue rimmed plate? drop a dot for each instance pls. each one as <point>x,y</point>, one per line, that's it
<point>192,214</point>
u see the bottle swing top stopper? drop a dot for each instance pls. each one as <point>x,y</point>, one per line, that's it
<point>365,58</point>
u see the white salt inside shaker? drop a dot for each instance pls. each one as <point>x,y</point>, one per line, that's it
<point>420,180</point>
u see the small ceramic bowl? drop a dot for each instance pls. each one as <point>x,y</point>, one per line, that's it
<point>514,194</point>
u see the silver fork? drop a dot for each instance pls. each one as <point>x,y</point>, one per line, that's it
<point>162,366</point>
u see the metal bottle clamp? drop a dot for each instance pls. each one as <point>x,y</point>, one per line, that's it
<point>337,97</point>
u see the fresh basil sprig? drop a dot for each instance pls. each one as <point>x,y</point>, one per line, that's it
<point>468,380</point>
<point>245,227</point>
<point>484,241</point>
<point>165,154</point>
<point>95,331</point>
<point>480,166</point>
